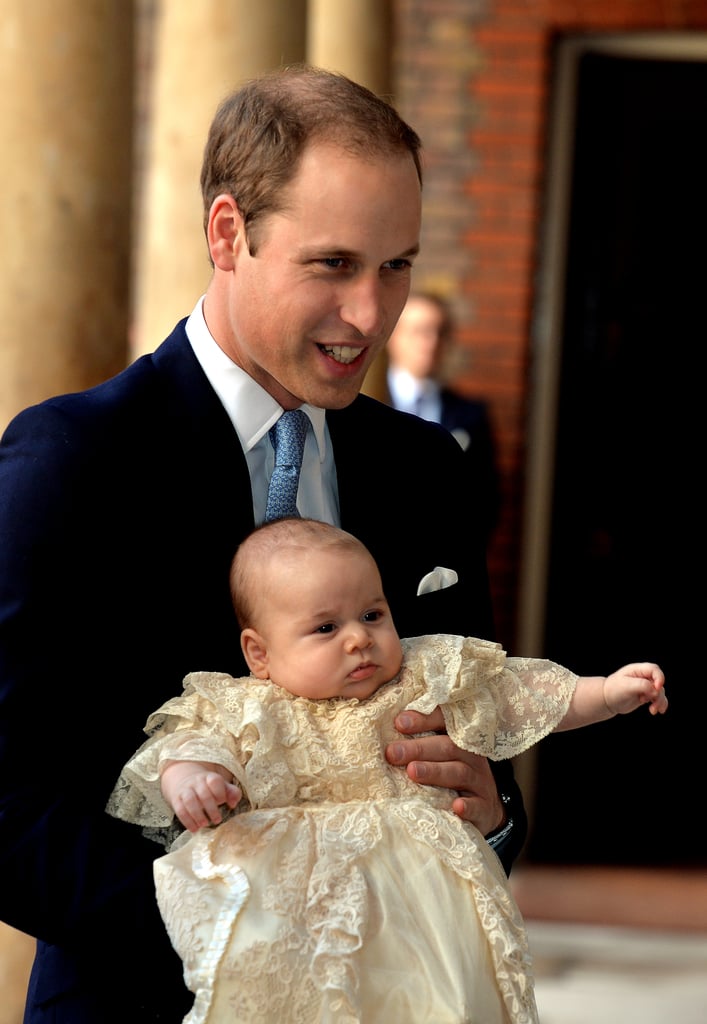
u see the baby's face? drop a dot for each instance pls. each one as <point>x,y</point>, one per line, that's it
<point>326,625</point>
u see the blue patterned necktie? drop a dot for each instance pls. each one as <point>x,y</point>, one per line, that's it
<point>287,438</point>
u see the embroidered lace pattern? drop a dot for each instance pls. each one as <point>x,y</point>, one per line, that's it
<point>343,871</point>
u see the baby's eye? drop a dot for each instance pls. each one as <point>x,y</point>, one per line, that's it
<point>327,627</point>
<point>372,616</point>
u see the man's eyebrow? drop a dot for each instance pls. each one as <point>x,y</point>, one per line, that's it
<point>322,252</point>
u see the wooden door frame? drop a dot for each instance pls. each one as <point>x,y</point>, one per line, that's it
<point>547,328</point>
<point>546,331</point>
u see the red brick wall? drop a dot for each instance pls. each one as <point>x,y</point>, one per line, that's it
<point>473,78</point>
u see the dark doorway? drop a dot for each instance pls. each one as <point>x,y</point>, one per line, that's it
<point>626,576</point>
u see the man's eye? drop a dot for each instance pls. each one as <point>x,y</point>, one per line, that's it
<point>398,264</point>
<point>335,262</point>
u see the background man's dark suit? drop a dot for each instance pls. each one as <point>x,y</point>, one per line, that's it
<point>120,510</point>
<point>468,419</point>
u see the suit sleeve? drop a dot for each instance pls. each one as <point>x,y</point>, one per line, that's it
<point>71,875</point>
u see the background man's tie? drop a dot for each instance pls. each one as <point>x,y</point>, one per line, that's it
<point>287,437</point>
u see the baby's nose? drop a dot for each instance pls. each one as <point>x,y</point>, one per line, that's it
<point>358,638</point>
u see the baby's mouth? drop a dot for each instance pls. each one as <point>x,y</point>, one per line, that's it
<point>364,670</point>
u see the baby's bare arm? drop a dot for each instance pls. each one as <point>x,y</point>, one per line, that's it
<point>197,790</point>
<point>597,698</point>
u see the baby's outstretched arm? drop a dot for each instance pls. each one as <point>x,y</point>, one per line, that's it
<point>597,698</point>
<point>196,791</point>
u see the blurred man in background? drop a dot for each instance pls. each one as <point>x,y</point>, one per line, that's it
<point>419,353</point>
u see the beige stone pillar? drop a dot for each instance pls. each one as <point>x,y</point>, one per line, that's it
<point>201,51</point>
<point>355,38</point>
<point>66,126</point>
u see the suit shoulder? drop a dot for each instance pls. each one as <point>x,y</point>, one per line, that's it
<point>367,410</point>
<point>392,438</point>
<point>135,384</point>
<point>123,414</point>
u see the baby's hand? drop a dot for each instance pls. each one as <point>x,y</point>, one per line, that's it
<point>633,685</point>
<point>197,793</point>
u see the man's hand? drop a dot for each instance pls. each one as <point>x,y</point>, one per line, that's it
<point>436,761</point>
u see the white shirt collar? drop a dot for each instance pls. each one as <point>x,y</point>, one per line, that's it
<point>406,390</point>
<point>250,408</point>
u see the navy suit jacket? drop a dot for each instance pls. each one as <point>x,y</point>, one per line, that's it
<point>120,510</point>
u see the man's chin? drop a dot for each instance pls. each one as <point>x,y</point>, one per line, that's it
<point>336,397</point>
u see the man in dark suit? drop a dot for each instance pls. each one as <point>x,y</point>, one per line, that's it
<point>121,508</point>
<point>419,357</point>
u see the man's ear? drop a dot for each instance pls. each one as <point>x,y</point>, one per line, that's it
<point>225,231</point>
<point>255,653</point>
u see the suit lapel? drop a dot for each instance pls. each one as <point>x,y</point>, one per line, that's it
<point>212,461</point>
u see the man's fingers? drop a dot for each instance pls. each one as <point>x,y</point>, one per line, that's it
<point>410,722</point>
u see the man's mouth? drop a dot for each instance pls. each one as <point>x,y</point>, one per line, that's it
<point>342,353</point>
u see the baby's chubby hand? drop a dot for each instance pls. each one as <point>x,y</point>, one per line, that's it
<point>639,683</point>
<point>199,792</point>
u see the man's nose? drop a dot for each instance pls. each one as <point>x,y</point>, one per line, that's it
<point>363,306</point>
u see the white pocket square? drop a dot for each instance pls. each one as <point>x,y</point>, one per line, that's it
<point>438,579</point>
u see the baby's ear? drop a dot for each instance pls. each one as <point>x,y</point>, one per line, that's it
<point>255,653</point>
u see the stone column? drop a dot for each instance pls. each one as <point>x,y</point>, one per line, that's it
<point>355,38</point>
<point>66,125</point>
<point>200,52</point>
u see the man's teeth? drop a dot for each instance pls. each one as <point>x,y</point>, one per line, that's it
<point>342,353</point>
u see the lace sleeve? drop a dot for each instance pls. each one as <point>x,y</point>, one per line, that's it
<point>492,704</point>
<point>186,728</point>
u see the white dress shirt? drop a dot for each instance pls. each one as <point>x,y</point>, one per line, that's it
<point>253,412</point>
<point>411,394</point>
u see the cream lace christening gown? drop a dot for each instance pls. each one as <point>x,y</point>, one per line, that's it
<point>341,891</point>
